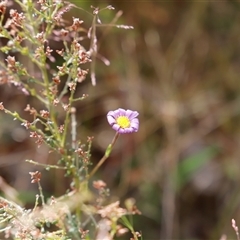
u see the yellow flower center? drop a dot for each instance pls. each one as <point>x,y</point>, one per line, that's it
<point>123,122</point>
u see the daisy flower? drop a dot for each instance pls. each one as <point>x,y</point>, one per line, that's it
<point>123,121</point>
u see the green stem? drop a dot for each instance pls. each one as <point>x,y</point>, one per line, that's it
<point>41,193</point>
<point>65,89</point>
<point>55,129</point>
<point>93,50</point>
<point>105,157</point>
<point>45,165</point>
<point>74,145</point>
<point>67,120</point>
<point>36,203</point>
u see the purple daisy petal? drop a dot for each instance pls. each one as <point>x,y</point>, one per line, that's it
<point>135,125</point>
<point>122,130</point>
<point>135,120</point>
<point>119,112</point>
<point>111,113</point>
<point>116,113</point>
<point>131,114</point>
<point>129,130</point>
<point>116,127</point>
<point>111,119</point>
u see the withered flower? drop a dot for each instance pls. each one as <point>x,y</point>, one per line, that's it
<point>35,176</point>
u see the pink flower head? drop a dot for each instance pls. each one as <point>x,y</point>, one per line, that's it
<point>123,121</point>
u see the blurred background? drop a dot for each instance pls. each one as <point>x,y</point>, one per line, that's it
<point>179,68</point>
